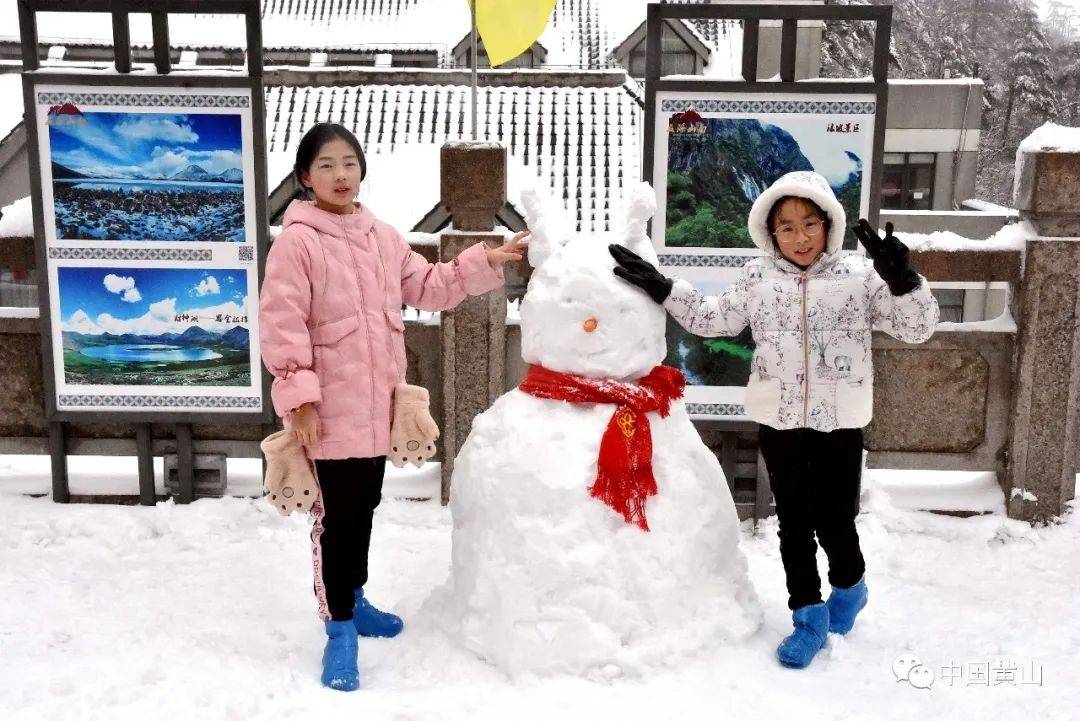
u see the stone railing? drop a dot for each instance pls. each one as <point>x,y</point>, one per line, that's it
<point>987,397</point>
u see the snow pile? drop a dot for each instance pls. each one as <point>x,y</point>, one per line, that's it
<point>1050,137</point>
<point>17,219</point>
<point>545,579</point>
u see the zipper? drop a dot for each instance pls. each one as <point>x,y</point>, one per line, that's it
<point>806,352</point>
<point>363,312</point>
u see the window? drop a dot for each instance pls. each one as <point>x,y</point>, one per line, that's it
<point>950,303</point>
<point>907,181</point>
<point>18,288</point>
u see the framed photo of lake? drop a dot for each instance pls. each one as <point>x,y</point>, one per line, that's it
<point>136,337</point>
<point>714,153</point>
<point>145,165</point>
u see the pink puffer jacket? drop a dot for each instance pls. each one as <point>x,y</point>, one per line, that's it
<point>330,319</point>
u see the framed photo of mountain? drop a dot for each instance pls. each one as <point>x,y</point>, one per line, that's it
<point>715,153</point>
<point>712,147</point>
<point>148,192</point>
<point>145,165</point>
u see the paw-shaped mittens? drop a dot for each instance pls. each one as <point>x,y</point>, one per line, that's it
<point>413,431</point>
<point>290,484</point>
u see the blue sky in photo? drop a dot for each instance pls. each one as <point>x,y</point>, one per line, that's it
<point>124,145</point>
<point>86,289</point>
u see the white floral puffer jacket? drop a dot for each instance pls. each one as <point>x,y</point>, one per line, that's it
<point>812,367</point>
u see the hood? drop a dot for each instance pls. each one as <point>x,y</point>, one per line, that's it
<point>307,213</point>
<point>802,184</point>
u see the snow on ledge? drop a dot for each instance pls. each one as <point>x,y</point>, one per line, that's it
<point>1010,237</point>
<point>19,312</point>
<point>1004,323</point>
<point>1050,137</point>
<point>973,491</point>
<point>985,206</point>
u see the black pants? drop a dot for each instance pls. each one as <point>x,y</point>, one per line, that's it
<point>351,489</point>
<point>815,480</point>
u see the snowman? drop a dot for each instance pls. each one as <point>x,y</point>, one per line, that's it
<point>593,531</point>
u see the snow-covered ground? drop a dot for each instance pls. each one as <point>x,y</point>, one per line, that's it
<point>205,612</point>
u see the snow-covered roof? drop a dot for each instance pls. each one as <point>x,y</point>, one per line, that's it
<point>579,144</point>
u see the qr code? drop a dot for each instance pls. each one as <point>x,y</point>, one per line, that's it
<point>246,252</point>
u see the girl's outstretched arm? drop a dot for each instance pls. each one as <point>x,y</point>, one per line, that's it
<point>704,315</point>
<point>284,308</point>
<point>709,315</point>
<point>441,286</point>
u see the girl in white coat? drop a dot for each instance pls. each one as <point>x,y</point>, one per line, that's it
<point>811,307</point>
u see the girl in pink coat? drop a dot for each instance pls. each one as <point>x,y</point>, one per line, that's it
<point>332,336</point>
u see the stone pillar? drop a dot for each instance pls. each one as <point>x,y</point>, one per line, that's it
<point>473,335</point>
<point>1042,460</point>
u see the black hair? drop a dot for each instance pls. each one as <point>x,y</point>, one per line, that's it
<point>315,138</point>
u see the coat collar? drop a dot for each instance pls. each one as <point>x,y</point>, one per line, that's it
<point>307,213</point>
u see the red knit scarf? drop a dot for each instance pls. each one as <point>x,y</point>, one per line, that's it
<point>624,475</point>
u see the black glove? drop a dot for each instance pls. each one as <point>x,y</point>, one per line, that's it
<point>635,270</point>
<point>890,257</point>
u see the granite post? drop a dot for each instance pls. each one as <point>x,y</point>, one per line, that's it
<point>1042,454</point>
<point>472,337</point>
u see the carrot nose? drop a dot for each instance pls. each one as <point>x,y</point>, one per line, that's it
<point>589,325</point>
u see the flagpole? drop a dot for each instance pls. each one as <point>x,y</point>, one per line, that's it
<point>472,9</point>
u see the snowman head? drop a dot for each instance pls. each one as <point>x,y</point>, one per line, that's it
<point>577,317</point>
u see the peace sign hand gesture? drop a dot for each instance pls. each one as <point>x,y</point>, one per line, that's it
<point>890,257</point>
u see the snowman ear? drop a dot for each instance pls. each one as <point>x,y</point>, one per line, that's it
<point>640,206</point>
<point>548,226</point>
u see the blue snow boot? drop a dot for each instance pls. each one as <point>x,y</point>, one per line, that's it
<point>339,657</point>
<point>844,605</point>
<point>811,629</point>
<point>371,622</point>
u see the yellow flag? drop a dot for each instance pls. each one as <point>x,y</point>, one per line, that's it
<point>510,27</point>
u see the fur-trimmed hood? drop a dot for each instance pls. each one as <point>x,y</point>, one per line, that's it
<point>801,184</point>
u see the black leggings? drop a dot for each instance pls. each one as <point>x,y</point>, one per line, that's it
<point>350,490</point>
<point>815,480</point>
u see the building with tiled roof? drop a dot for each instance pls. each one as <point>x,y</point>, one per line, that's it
<point>578,139</point>
<point>570,116</point>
